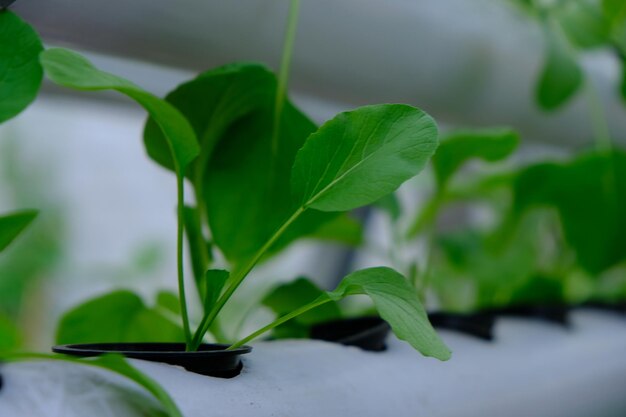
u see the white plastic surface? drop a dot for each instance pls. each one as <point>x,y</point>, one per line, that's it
<point>533,369</point>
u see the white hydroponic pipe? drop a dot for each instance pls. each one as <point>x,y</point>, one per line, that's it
<point>467,62</point>
<point>533,369</point>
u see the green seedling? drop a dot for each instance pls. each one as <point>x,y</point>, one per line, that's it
<point>351,161</point>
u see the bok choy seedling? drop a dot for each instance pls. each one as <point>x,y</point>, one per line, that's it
<point>351,161</point>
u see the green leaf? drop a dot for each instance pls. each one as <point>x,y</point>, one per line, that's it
<point>589,193</point>
<point>285,298</point>
<point>231,111</point>
<point>458,147</point>
<point>117,317</point>
<point>561,75</point>
<point>169,301</point>
<point>212,102</point>
<point>341,229</point>
<point>20,71</point>
<point>70,69</point>
<point>114,363</point>
<point>215,281</point>
<point>360,156</point>
<point>11,225</point>
<point>245,176</point>
<point>398,304</point>
<point>584,23</point>
<point>395,299</point>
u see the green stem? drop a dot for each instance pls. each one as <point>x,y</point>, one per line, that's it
<point>179,255</point>
<point>238,278</point>
<point>318,302</point>
<point>422,286</point>
<point>285,66</point>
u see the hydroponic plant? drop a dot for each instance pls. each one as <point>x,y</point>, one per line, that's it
<point>302,174</point>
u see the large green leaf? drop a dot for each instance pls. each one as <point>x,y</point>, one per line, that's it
<point>70,69</point>
<point>117,317</point>
<point>460,146</point>
<point>589,193</point>
<point>231,111</point>
<point>114,363</point>
<point>212,102</point>
<point>20,71</point>
<point>398,304</point>
<point>360,156</point>
<point>11,225</point>
<point>561,75</point>
<point>247,190</point>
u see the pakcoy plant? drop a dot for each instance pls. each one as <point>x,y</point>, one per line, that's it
<point>266,186</point>
<point>262,176</point>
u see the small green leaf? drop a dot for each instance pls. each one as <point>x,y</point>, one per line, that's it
<point>459,147</point>
<point>398,304</point>
<point>168,301</point>
<point>361,156</point>
<point>11,225</point>
<point>288,297</point>
<point>70,69</point>
<point>114,363</point>
<point>561,75</point>
<point>215,281</point>
<point>342,229</point>
<point>117,317</point>
<point>585,24</point>
<point>20,71</point>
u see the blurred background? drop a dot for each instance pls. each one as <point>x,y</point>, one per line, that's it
<point>108,212</point>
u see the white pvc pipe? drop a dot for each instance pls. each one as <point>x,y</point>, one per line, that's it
<point>533,369</point>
